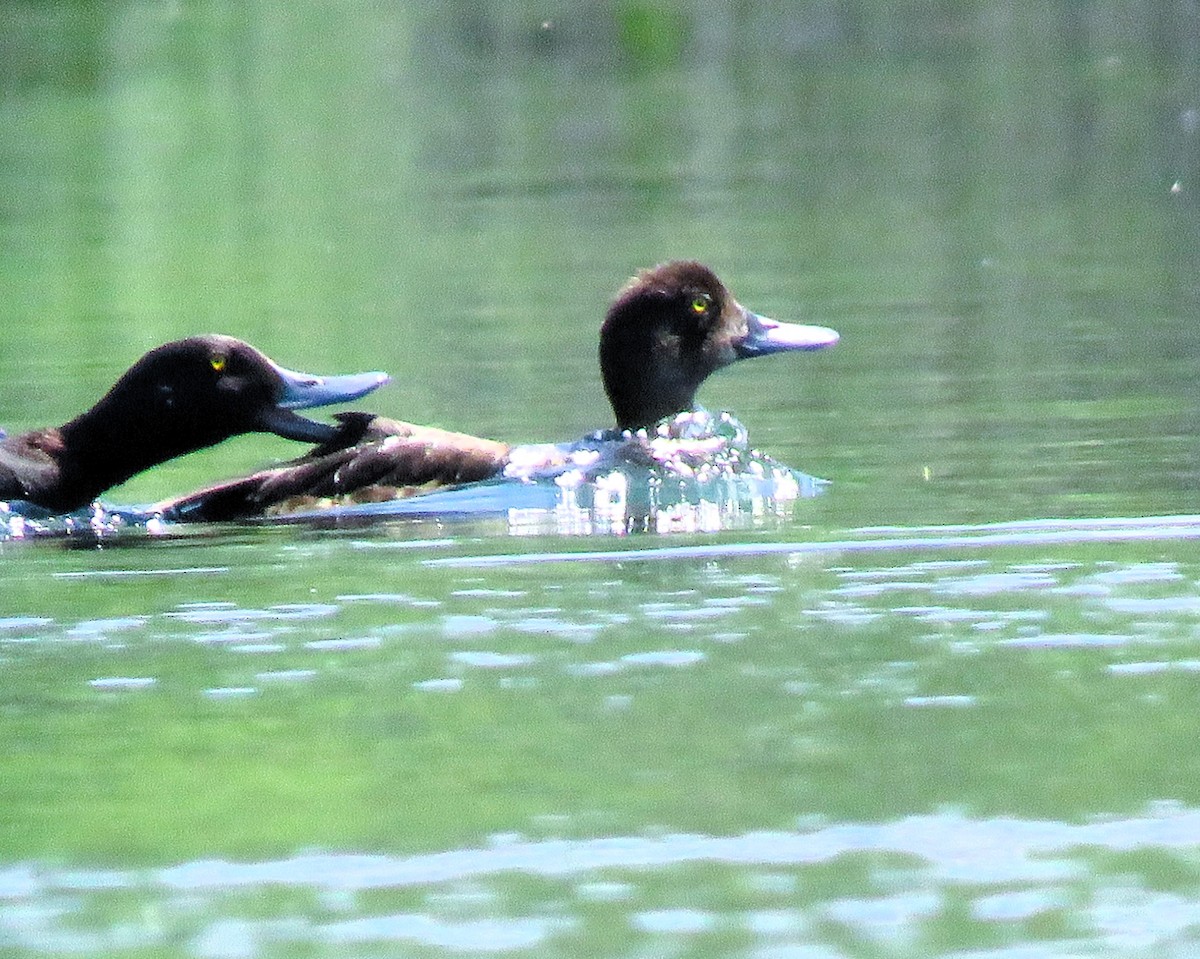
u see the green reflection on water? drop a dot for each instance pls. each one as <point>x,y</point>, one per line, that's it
<point>995,211</point>
<point>994,205</point>
<point>733,695</point>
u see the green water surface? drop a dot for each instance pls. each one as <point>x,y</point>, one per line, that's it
<point>318,742</point>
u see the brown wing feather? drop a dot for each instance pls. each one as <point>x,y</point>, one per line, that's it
<point>370,460</point>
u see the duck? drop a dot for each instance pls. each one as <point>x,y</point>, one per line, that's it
<point>667,330</point>
<point>180,397</point>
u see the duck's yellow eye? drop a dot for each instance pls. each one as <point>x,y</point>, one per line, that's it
<point>700,304</point>
<point>217,360</point>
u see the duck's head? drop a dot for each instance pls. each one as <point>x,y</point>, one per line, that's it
<point>204,389</point>
<point>672,326</point>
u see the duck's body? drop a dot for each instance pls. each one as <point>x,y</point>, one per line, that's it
<point>664,334</point>
<point>178,398</point>
<point>370,459</point>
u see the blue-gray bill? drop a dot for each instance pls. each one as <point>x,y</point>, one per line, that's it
<point>303,391</point>
<point>300,391</point>
<point>764,336</point>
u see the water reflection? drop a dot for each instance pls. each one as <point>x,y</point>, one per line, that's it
<point>900,881</point>
<point>895,539</point>
<point>894,749</point>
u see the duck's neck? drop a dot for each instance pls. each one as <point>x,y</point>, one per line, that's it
<point>641,401</point>
<point>645,374</point>
<point>112,442</point>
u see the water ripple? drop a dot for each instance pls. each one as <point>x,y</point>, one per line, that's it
<point>1002,871</point>
<point>1028,533</point>
<point>954,847</point>
<point>481,935</point>
<point>1068,641</point>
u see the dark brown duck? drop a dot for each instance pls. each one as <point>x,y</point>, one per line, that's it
<point>178,398</point>
<point>666,331</point>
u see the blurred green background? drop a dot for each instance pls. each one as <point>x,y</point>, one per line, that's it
<point>972,752</point>
<point>995,203</point>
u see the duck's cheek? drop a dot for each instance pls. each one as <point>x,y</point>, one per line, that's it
<point>719,351</point>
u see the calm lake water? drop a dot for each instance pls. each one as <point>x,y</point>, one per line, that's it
<point>948,708</point>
